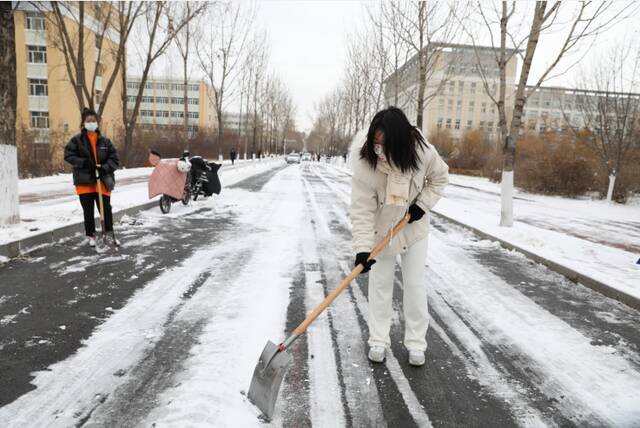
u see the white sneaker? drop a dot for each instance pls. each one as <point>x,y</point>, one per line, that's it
<point>416,358</point>
<point>377,354</point>
<point>91,240</point>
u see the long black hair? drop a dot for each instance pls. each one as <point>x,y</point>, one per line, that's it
<point>401,140</point>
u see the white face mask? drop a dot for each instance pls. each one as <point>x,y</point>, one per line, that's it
<point>91,126</point>
<point>378,149</point>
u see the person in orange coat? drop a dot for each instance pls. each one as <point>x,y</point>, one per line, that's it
<point>87,151</point>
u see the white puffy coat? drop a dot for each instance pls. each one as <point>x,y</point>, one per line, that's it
<point>371,219</point>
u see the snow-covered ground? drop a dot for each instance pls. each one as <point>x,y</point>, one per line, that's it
<point>597,239</point>
<point>510,342</point>
<point>47,203</point>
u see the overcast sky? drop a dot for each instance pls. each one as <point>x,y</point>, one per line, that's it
<point>308,40</point>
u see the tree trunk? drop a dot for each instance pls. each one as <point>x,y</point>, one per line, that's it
<point>422,72</point>
<point>509,148</point>
<point>612,184</point>
<point>186,101</point>
<point>9,208</point>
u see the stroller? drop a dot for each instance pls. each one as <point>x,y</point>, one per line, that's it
<point>182,179</point>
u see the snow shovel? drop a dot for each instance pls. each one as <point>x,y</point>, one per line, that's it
<point>101,210</point>
<point>274,360</point>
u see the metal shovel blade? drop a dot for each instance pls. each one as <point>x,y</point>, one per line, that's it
<point>267,378</point>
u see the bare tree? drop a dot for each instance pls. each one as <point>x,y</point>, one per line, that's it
<point>426,28</point>
<point>9,208</point>
<point>609,108</point>
<point>115,21</point>
<point>386,21</point>
<point>221,52</point>
<point>161,31</point>
<point>184,41</point>
<point>587,20</point>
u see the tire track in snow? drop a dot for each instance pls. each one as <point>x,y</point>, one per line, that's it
<point>360,396</point>
<point>493,412</point>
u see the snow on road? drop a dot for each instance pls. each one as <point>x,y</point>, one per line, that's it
<point>510,343</point>
<point>47,203</point>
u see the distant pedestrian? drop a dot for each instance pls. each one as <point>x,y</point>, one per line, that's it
<point>87,151</point>
<point>395,171</point>
<point>233,156</point>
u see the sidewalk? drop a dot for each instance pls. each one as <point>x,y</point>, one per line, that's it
<point>588,241</point>
<point>49,209</point>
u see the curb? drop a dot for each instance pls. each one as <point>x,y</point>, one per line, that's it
<point>24,246</point>
<point>569,273</point>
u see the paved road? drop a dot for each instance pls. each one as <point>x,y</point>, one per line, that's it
<point>510,343</point>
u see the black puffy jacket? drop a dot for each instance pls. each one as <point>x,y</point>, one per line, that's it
<point>79,154</point>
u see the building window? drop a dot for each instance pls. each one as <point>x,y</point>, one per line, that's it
<point>147,99</point>
<point>439,124</point>
<point>177,114</point>
<point>148,85</point>
<point>38,87</point>
<point>194,87</point>
<point>162,100</point>
<point>490,126</point>
<point>484,107</point>
<point>133,85</point>
<point>469,124</point>
<point>194,101</point>
<point>448,123</point>
<point>472,90</point>
<point>37,54</point>
<point>471,106</point>
<point>194,115</point>
<point>131,99</point>
<point>177,100</point>
<point>162,113</point>
<point>35,21</point>
<point>482,125</point>
<point>459,105</point>
<point>457,125</point>
<point>177,87</point>
<point>39,119</point>
<point>162,86</point>
<point>146,113</point>
<point>98,97</point>
<point>99,69</point>
<point>41,151</point>
<point>452,86</point>
<point>460,87</point>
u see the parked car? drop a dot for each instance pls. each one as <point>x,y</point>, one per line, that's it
<point>293,157</point>
<point>306,157</point>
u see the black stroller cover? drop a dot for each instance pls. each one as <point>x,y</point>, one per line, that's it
<point>200,165</point>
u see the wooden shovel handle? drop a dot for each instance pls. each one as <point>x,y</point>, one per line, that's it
<point>345,282</point>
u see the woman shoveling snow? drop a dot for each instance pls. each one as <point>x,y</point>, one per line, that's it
<point>395,172</point>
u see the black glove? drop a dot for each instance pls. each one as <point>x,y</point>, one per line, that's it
<point>416,213</point>
<point>361,259</point>
<point>105,168</point>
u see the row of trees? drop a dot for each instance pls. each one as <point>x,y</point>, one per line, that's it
<point>231,55</point>
<point>405,40</point>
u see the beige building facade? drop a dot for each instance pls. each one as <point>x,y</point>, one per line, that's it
<point>457,99</point>
<point>162,103</point>
<point>47,108</point>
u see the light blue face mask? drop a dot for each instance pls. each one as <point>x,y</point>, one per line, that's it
<point>378,149</point>
<point>91,126</point>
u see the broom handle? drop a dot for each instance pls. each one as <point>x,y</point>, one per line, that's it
<point>345,282</point>
<point>100,203</point>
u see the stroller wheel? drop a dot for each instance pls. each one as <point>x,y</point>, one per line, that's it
<point>165,204</point>
<point>186,198</point>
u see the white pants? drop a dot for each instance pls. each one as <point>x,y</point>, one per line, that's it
<point>416,315</point>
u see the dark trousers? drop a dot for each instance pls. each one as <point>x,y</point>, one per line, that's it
<point>87,200</point>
